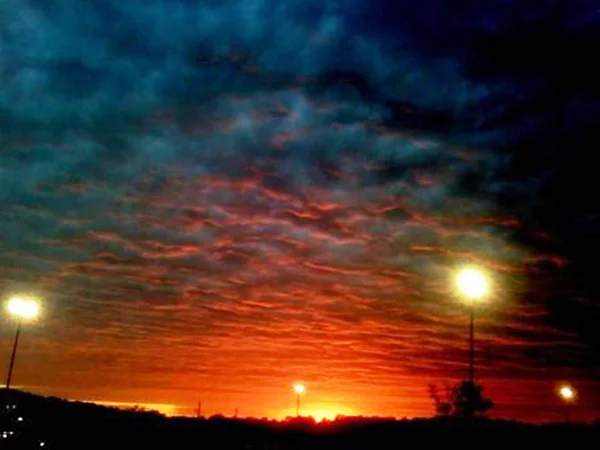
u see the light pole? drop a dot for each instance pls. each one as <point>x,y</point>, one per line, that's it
<point>23,308</point>
<point>299,389</point>
<point>473,285</point>
<point>568,395</point>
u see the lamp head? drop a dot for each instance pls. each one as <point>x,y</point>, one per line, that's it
<point>567,393</point>
<point>23,307</point>
<point>472,283</point>
<point>299,389</point>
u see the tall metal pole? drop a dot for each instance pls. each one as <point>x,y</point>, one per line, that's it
<point>14,354</point>
<point>298,404</point>
<point>472,346</point>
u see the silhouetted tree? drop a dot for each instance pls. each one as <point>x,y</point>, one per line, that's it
<point>136,408</point>
<point>443,406</point>
<point>468,401</point>
<point>463,400</point>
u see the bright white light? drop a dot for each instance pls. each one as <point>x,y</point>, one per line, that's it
<point>19,419</point>
<point>472,283</point>
<point>23,307</point>
<point>42,444</point>
<point>299,389</point>
<point>567,393</point>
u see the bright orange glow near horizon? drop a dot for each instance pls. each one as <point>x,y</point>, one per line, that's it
<point>356,370</point>
<point>318,410</point>
<point>166,409</point>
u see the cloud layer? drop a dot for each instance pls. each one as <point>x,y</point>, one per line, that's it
<point>217,199</point>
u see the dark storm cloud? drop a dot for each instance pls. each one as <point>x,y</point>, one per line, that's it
<point>238,180</point>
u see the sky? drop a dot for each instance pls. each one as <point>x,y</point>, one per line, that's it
<point>217,199</point>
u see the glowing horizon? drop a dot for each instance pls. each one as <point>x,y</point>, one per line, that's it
<point>317,411</point>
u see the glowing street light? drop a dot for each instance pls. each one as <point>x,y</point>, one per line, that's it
<point>472,284</point>
<point>23,308</point>
<point>568,395</point>
<point>299,389</point>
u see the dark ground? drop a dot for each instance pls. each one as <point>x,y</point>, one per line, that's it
<point>59,424</point>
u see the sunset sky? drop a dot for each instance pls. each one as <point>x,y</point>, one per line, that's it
<point>218,199</point>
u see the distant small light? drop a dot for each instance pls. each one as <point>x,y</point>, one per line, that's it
<point>4,435</point>
<point>42,444</point>
<point>299,389</point>
<point>567,393</point>
<point>19,419</point>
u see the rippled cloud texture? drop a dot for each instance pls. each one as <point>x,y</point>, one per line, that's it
<point>217,199</point>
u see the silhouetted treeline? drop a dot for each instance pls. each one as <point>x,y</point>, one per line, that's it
<point>28,421</point>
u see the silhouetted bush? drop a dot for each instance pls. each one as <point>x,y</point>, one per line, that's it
<point>463,400</point>
<point>468,400</point>
<point>443,405</point>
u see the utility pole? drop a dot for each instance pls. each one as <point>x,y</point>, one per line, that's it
<point>199,409</point>
<point>472,346</point>
<point>14,354</point>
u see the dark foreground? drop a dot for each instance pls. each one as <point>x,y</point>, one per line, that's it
<point>28,421</point>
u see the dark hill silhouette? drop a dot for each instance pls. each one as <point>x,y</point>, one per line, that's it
<point>60,424</point>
